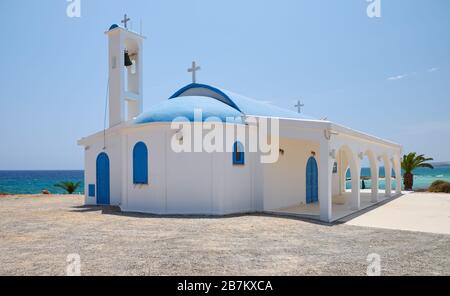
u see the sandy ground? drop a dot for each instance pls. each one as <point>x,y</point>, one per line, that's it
<point>425,212</point>
<point>37,233</point>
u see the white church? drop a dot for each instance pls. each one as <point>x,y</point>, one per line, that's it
<point>132,164</point>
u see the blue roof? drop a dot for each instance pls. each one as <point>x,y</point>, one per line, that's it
<point>213,102</point>
<point>241,103</point>
<point>213,93</point>
<point>179,109</point>
<point>113,26</point>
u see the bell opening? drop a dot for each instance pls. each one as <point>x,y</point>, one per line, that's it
<point>128,61</point>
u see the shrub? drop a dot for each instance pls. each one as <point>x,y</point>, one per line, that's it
<point>440,186</point>
<point>445,187</point>
<point>70,187</point>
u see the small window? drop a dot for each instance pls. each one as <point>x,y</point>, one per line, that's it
<point>335,168</point>
<point>113,62</point>
<point>238,154</point>
<point>91,190</point>
<point>140,164</point>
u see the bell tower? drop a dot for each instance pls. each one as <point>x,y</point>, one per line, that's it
<point>125,74</point>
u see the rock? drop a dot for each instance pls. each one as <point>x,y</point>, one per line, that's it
<point>46,192</point>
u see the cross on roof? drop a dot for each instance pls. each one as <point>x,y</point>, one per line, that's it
<point>125,21</point>
<point>194,70</point>
<point>299,106</point>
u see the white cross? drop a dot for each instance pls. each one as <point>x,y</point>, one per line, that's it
<point>126,19</point>
<point>194,70</point>
<point>299,106</point>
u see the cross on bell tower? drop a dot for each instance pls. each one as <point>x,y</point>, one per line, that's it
<point>125,21</point>
<point>194,70</point>
<point>125,81</point>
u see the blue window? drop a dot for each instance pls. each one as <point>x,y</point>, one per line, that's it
<point>238,154</point>
<point>91,190</point>
<point>140,164</point>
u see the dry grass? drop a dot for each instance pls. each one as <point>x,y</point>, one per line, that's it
<point>37,233</point>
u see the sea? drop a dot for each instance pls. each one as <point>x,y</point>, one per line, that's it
<point>34,182</point>
<point>423,177</point>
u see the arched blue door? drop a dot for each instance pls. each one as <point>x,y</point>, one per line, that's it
<point>103,179</point>
<point>312,182</point>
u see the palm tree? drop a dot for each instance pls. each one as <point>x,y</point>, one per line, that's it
<point>70,187</point>
<point>410,162</point>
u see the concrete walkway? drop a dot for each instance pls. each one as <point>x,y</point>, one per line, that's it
<point>341,206</point>
<point>422,212</point>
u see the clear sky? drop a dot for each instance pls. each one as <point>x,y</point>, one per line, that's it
<point>389,77</point>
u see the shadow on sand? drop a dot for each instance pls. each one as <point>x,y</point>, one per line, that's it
<point>116,211</point>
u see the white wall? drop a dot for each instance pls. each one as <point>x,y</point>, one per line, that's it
<point>151,197</point>
<point>237,180</point>
<point>113,149</point>
<point>205,183</point>
<point>285,181</point>
<point>187,183</point>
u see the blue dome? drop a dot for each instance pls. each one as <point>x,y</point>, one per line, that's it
<point>240,103</point>
<point>113,26</point>
<point>184,107</point>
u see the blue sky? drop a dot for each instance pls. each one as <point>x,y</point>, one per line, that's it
<point>389,77</point>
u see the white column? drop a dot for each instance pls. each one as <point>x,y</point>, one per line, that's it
<point>356,189</point>
<point>388,176</point>
<point>325,190</point>
<point>375,180</point>
<point>398,175</point>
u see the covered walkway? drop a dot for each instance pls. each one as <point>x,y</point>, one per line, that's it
<point>341,206</point>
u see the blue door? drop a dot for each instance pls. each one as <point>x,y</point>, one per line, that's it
<point>103,179</point>
<point>312,182</point>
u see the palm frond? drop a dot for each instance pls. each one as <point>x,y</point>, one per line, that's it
<point>412,161</point>
<point>70,187</point>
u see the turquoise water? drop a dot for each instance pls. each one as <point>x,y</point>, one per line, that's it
<point>32,182</point>
<point>423,177</point>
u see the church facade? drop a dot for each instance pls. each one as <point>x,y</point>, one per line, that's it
<point>133,163</point>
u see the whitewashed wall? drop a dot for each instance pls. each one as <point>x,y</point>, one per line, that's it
<point>114,151</point>
<point>285,181</point>
<point>187,183</point>
<point>209,183</point>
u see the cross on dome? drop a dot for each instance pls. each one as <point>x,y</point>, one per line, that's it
<point>194,70</point>
<point>299,106</point>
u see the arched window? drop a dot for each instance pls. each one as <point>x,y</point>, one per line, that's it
<point>238,154</point>
<point>140,164</point>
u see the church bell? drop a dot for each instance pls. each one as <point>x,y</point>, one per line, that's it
<point>128,61</point>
